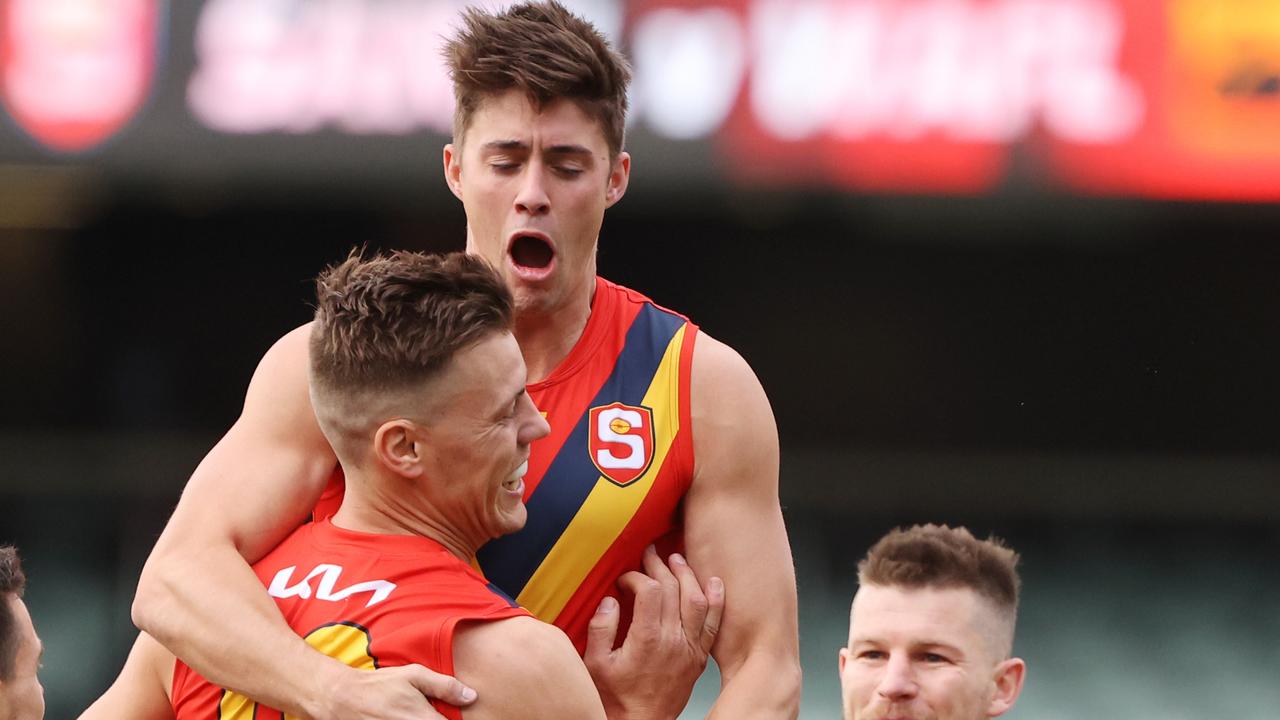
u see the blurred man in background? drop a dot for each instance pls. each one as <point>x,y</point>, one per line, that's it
<point>931,629</point>
<point>21,695</point>
<point>433,434</point>
<point>659,435</point>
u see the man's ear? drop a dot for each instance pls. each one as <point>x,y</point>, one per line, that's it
<point>844,658</point>
<point>398,445</point>
<point>619,177</point>
<point>1008,678</point>
<point>453,169</point>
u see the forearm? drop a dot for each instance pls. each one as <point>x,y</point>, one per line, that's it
<point>210,610</point>
<point>765,685</point>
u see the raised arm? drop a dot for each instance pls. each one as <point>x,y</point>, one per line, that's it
<point>734,530</point>
<point>198,594</point>
<point>523,669</point>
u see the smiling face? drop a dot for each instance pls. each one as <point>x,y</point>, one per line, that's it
<point>535,183</point>
<point>925,654</point>
<point>476,444</point>
<point>21,695</point>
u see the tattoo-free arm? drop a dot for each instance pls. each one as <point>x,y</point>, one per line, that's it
<point>198,594</point>
<point>524,670</point>
<point>734,530</point>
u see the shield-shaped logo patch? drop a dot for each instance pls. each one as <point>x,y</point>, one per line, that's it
<point>621,441</point>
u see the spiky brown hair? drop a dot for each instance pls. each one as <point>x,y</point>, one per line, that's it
<point>544,50</point>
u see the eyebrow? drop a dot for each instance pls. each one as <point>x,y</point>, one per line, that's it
<point>915,646</point>
<point>506,145</point>
<point>565,149</point>
<point>568,150</point>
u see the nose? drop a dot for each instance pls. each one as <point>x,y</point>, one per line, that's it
<point>898,681</point>
<point>534,426</point>
<point>532,197</point>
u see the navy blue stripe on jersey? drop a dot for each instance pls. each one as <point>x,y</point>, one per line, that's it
<point>505,597</point>
<point>511,560</point>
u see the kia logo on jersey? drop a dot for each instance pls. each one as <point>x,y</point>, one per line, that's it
<point>74,72</point>
<point>621,444</point>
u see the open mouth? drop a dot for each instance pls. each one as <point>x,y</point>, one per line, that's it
<point>515,481</point>
<point>532,253</point>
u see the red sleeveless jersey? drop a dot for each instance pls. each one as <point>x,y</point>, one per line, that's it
<point>369,600</point>
<point>608,481</point>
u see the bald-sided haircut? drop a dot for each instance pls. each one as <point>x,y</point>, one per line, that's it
<point>391,323</point>
<point>936,556</point>
<point>544,50</point>
<point>12,584</point>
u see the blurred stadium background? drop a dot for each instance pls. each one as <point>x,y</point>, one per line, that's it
<point>1007,263</point>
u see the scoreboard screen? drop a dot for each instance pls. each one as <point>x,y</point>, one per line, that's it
<point>1138,98</point>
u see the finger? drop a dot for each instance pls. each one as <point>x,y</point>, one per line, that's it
<point>601,633</point>
<point>440,687</point>
<point>658,570</point>
<point>693,602</point>
<point>646,613</point>
<point>715,610</point>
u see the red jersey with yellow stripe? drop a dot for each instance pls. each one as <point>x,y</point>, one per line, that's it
<point>369,600</point>
<point>608,481</point>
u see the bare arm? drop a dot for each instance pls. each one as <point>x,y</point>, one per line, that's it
<point>524,669</point>
<point>198,594</point>
<point>141,692</point>
<point>734,530</point>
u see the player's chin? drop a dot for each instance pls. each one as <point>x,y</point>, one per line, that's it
<point>532,297</point>
<point>511,519</point>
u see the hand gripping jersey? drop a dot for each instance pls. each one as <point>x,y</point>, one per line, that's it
<point>607,482</point>
<point>369,600</point>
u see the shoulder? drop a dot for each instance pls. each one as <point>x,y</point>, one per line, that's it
<point>732,422</point>
<point>722,378</point>
<point>523,668</point>
<point>714,362</point>
<point>432,589</point>
<point>523,637</point>
<point>627,296</point>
